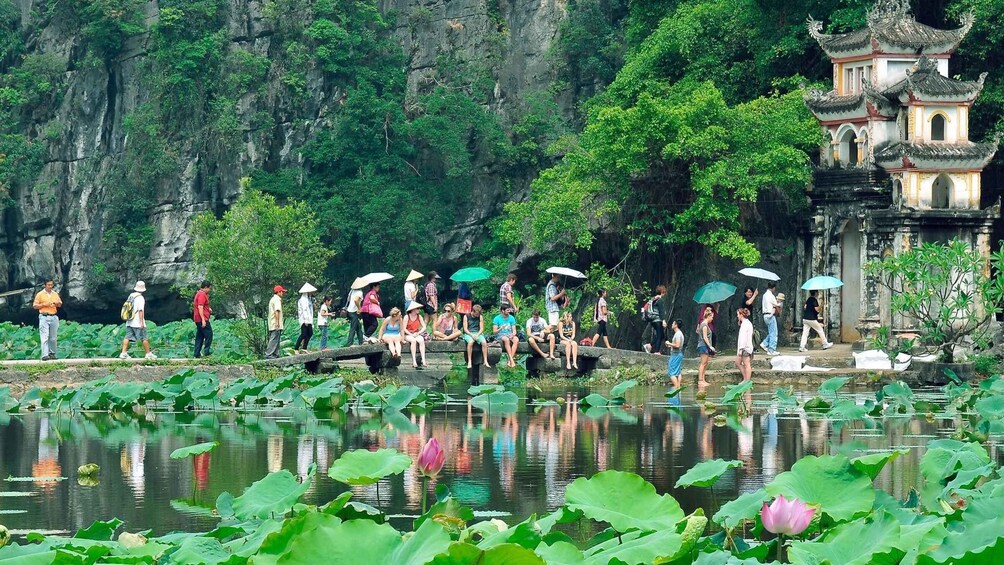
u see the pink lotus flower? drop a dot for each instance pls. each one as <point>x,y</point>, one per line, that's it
<point>786,517</point>
<point>431,459</point>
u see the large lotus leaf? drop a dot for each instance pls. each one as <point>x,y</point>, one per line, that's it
<point>624,500</point>
<point>706,473</point>
<point>945,457</point>
<point>196,449</point>
<point>860,542</point>
<point>461,553</point>
<point>873,463</point>
<point>733,392</point>
<point>355,541</point>
<point>364,467</point>
<point>746,507</point>
<point>991,407</point>
<point>980,542</point>
<point>482,389</point>
<point>636,547</point>
<point>595,400</point>
<point>621,388</point>
<point>847,409</point>
<point>725,558</point>
<point>278,543</point>
<point>505,401</point>
<point>207,551</point>
<point>276,493</point>
<point>403,396</point>
<point>830,481</point>
<point>560,553</point>
<point>831,386</point>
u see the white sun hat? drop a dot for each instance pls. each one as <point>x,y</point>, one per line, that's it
<point>140,286</point>
<point>307,288</point>
<point>414,275</point>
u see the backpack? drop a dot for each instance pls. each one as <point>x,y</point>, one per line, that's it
<point>420,294</point>
<point>648,312</point>
<point>126,312</point>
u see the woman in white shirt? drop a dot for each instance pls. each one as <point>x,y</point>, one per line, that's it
<point>305,315</point>
<point>323,313</point>
<point>744,352</point>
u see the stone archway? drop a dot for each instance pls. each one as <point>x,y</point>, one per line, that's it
<point>941,192</point>
<point>849,148</point>
<point>850,273</point>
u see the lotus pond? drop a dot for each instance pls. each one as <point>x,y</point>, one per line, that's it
<point>289,469</point>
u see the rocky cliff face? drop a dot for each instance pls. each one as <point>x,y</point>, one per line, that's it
<point>57,225</point>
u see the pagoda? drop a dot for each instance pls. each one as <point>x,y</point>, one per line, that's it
<point>899,168</point>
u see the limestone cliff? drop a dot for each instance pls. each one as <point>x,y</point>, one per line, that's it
<point>57,225</point>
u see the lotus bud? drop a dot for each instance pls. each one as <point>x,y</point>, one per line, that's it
<point>88,469</point>
<point>4,536</point>
<point>787,517</point>
<point>431,459</point>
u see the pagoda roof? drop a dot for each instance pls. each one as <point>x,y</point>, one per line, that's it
<point>935,156</point>
<point>924,82</point>
<point>892,29</point>
<point>830,105</point>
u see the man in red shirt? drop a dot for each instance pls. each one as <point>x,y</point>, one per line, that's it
<point>200,313</point>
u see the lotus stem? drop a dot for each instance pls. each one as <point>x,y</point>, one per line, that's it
<point>425,491</point>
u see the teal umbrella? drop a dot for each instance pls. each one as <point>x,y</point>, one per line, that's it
<point>471,274</point>
<point>822,283</point>
<point>714,291</point>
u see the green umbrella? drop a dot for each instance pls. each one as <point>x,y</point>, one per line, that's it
<point>714,291</point>
<point>471,274</point>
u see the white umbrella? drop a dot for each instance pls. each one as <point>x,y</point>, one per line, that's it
<point>567,272</point>
<point>759,274</point>
<point>359,283</point>
<point>375,278</point>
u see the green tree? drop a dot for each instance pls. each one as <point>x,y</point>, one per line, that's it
<point>256,245</point>
<point>947,291</point>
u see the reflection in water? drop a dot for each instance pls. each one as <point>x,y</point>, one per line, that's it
<point>518,462</point>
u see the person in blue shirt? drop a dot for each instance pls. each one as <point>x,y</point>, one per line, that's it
<point>504,326</point>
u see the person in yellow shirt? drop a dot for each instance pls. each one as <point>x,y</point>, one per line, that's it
<point>47,301</point>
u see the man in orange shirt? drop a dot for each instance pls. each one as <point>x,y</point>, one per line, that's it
<point>46,302</point>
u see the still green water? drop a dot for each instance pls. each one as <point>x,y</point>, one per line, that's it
<point>506,464</point>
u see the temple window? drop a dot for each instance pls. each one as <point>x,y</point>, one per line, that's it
<point>849,148</point>
<point>941,191</point>
<point>938,128</point>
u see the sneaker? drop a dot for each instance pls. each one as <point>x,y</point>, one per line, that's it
<point>150,356</point>
<point>773,353</point>
<point>827,345</point>
<point>802,350</point>
<point>124,356</point>
<point>764,347</point>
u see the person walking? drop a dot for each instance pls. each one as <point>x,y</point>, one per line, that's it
<point>371,312</point>
<point>136,322</point>
<point>323,315</point>
<point>47,302</point>
<point>744,345</point>
<point>474,332</point>
<point>431,298</point>
<point>600,315</point>
<point>567,333</point>
<point>554,296</point>
<point>504,328</point>
<point>506,292</point>
<point>390,332</point>
<point>770,308</point>
<point>446,326</point>
<point>536,332</point>
<point>415,333</point>
<point>705,346</point>
<point>305,316</point>
<point>657,319</point>
<point>353,308</point>
<point>276,323</point>
<point>200,314</point>
<point>810,321</point>
<point>675,364</point>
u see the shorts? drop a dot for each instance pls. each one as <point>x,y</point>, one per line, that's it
<point>470,339</point>
<point>702,348</point>
<point>428,309</point>
<point>746,354</point>
<point>601,328</point>
<point>553,318</point>
<point>135,334</point>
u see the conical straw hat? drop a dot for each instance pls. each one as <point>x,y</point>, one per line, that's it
<point>414,275</point>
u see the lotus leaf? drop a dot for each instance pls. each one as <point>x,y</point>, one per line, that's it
<point>460,553</point>
<point>706,473</point>
<point>618,390</point>
<point>560,553</point>
<point>636,547</point>
<point>364,467</point>
<point>746,507</point>
<point>595,400</point>
<point>339,543</point>
<point>732,393</point>
<point>831,386</point>
<point>624,500</point>
<point>506,401</point>
<point>197,449</point>
<point>273,495</point>
<point>873,463</point>
<point>207,551</point>
<point>484,389</point>
<point>860,542</point>
<point>842,491</point>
